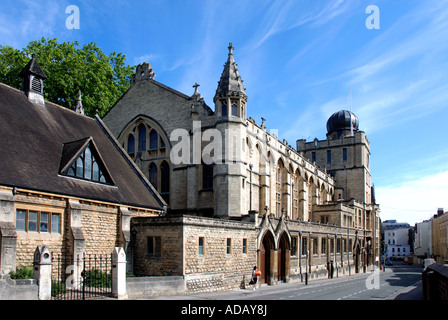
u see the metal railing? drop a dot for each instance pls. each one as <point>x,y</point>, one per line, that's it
<point>81,278</point>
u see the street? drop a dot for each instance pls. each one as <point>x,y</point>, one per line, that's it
<point>398,282</point>
<point>394,283</point>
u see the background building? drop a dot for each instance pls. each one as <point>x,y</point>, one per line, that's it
<point>398,239</point>
<point>422,243</point>
<point>439,235</point>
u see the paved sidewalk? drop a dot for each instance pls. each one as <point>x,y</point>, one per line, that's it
<point>248,293</point>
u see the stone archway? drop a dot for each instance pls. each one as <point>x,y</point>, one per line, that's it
<point>266,258</point>
<point>283,258</point>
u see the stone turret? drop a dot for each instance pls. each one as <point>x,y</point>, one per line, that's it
<point>230,98</point>
<point>230,112</point>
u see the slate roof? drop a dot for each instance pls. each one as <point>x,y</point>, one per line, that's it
<point>33,67</point>
<point>36,141</point>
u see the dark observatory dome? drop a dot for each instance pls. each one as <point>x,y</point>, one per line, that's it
<point>341,121</point>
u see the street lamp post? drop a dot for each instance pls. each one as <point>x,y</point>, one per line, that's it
<point>335,252</point>
<point>306,261</point>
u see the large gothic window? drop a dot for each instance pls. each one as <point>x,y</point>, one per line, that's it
<point>278,188</point>
<point>295,196</point>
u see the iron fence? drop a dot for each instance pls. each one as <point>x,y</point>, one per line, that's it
<point>81,278</point>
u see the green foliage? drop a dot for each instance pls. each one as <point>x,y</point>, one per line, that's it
<point>70,67</point>
<point>57,288</point>
<point>22,272</point>
<point>97,279</point>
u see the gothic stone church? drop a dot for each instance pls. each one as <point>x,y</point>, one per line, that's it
<point>293,212</point>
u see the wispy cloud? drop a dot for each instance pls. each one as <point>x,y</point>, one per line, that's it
<point>414,200</point>
<point>401,70</point>
<point>282,16</point>
<point>23,20</point>
<point>145,58</point>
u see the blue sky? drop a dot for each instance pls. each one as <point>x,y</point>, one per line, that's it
<point>299,60</point>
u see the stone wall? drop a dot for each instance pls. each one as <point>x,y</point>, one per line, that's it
<point>138,287</point>
<point>168,261</point>
<point>100,227</point>
<point>101,224</point>
<point>210,267</point>
<point>22,289</point>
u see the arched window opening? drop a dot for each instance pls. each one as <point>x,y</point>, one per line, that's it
<point>153,175</point>
<point>234,109</point>
<point>278,188</point>
<point>131,144</point>
<point>142,138</point>
<point>153,140</point>
<point>224,110</point>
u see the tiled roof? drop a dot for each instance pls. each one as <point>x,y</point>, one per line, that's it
<point>32,139</point>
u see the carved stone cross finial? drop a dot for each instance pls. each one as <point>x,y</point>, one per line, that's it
<point>230,48</point>
<point>196,85</point>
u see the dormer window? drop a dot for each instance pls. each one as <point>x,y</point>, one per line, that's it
<point>84,162</point>
<point>86,166</point>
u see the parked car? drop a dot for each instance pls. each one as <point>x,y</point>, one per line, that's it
<point>388,262</point>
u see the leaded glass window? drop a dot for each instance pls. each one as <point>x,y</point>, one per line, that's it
<point>86,166</point>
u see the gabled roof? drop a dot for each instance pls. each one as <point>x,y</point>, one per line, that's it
<point>37,141</point>
<point>230,83</point>
<point>71,150</point>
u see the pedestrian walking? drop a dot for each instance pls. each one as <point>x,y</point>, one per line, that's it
<point>255,274</point>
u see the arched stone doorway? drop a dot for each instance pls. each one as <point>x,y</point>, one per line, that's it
<point>283,255</point>
<point>265,258</point>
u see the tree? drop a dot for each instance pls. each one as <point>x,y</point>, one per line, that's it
<point>102,79</point>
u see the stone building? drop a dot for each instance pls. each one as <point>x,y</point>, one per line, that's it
<point>439,236</point>
<point>65,181</point>
<point>237,195</point>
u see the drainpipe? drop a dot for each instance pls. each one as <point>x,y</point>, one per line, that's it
<point>300,256</point>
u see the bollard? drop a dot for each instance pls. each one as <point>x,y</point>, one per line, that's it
<point>119,273</point>
<point>42,271</point>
